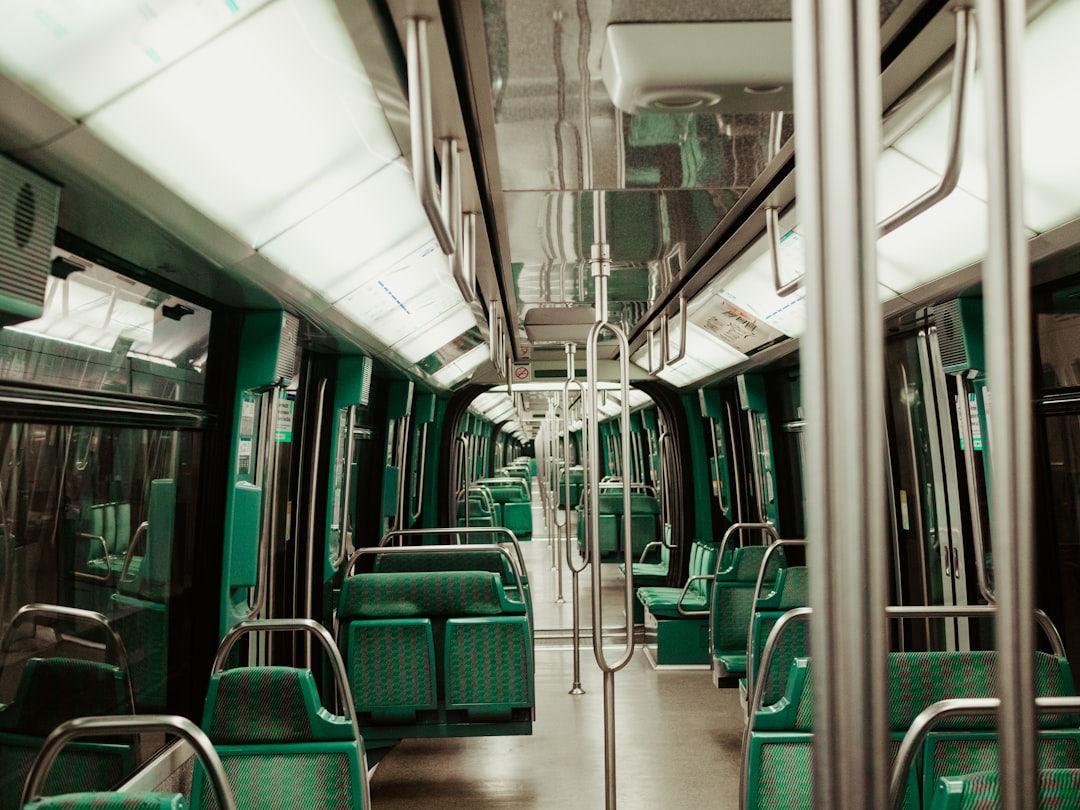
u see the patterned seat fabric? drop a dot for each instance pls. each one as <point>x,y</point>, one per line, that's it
<point>488,663</point>
<point>278,744</point>
<point>423,593</point>
<point>1058,787</point>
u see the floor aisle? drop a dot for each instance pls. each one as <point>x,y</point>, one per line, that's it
<point>678,737</point>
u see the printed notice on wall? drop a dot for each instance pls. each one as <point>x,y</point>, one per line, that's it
<point>243,456</point>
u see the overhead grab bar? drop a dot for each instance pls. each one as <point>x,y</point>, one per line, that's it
<point>682,334</point>
<point>422,139</point>
<point>963,68</point>
<point>451,207</point>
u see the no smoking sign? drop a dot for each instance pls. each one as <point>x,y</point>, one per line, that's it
<point>523,372</point>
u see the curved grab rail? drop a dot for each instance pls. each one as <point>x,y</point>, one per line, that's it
<point>682,334</point>
<point>757,595</point>
<point>724,508</point>
<point>757,691</point>
<point>768,528</point>
<point>566,481</point>
<point>666,485</point>
<point>963,68</point>
<point>346,532</point>
<point>420,132</point>
<point>34,610</point>
<point>106,725</point>
<point>592,346</point>
<point>455,530</point>
<point>516,565</point>
<point>341,677</point>
<point>955,707</point>
<point>593,428</point>
<point>107,576</point>
<point>139,537</point>
<point>450,157</point>
<point>418,497</point>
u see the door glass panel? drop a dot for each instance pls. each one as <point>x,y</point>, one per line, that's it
<point>1063,457</point>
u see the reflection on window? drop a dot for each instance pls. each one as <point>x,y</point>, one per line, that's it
<point>91,518</point>
<point>101,331</point>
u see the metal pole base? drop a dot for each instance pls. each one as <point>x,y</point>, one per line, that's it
<point>577,690</point>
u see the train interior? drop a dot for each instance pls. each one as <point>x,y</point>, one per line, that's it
<point>425,369</point>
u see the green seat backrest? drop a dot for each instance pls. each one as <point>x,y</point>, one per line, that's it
<point>424,593</point>
<point>917,679</point>
<point>53,690</point>
<point>703,565</point>
<point>641,504</point>
<point>279,746</point>
<point>478,560</point>
<point>511,493</point>
<point>153,578</point>
<point>267,705</point>
<point>791,590</point>
<point>745,563</point>
<point>110,801</point>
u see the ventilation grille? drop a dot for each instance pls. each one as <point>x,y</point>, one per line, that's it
<point>290,337</point>
<point>959,334</point>
<point>28,212</point>
<point>365,386</point>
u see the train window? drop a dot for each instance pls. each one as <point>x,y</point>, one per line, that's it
<point>1058,323</point>
<point>104,332</point>
<point>95,521</point>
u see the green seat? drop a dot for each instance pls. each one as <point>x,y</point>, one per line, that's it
<point>436,653</point>
<point>1058,787</point>
<point>576,477</point>
<point>279,746</point>
<point>790,591</point>
<point>731,608</point>
<point>673,637</point>
<point>51,691</point>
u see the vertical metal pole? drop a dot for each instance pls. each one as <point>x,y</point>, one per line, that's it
<point>837,47</point>
<point>1007,301</point>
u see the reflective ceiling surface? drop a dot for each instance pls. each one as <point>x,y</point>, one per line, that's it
<point>670,176</point>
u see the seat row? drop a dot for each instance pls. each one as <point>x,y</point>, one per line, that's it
<point>951,762</point>
<point>434,641</point>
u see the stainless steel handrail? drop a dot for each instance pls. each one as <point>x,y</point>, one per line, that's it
<point>739,528</point>
<point>608,668</point>
<point>957,707</point>
<point>346,530</point>
<point>36,609</point>
<point>139,536</point>
<point>86,575</point>
<point>451,208</point>
<point>963,68</point>
<point>753,603</point>
<point>663,441</point>
<point>963,413</point>
<point>418,497</point>
<point>106,725</point>
<point>455,530</point>
<point>267,470</point>
<point>468,248</point>
<point>575,571</point>
<point>724,508</point>
<point>341,677</point>
<point>682,334</point>
<point>1007,305</point>
<point>420,129</point>
<point>517,565</point>
<point>314,538</point>
<point>756,691</point>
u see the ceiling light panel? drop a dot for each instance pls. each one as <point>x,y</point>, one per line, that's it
<point>260,127</point>
<point>81,55</point>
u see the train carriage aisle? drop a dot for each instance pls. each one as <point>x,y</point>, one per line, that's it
<point>678,737</point>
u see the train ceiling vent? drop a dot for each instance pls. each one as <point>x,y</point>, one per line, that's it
<point>960,335</point>
<point>29,206</point>
<point>726,56</point>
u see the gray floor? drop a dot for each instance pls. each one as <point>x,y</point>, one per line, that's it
<point>677,737</point>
